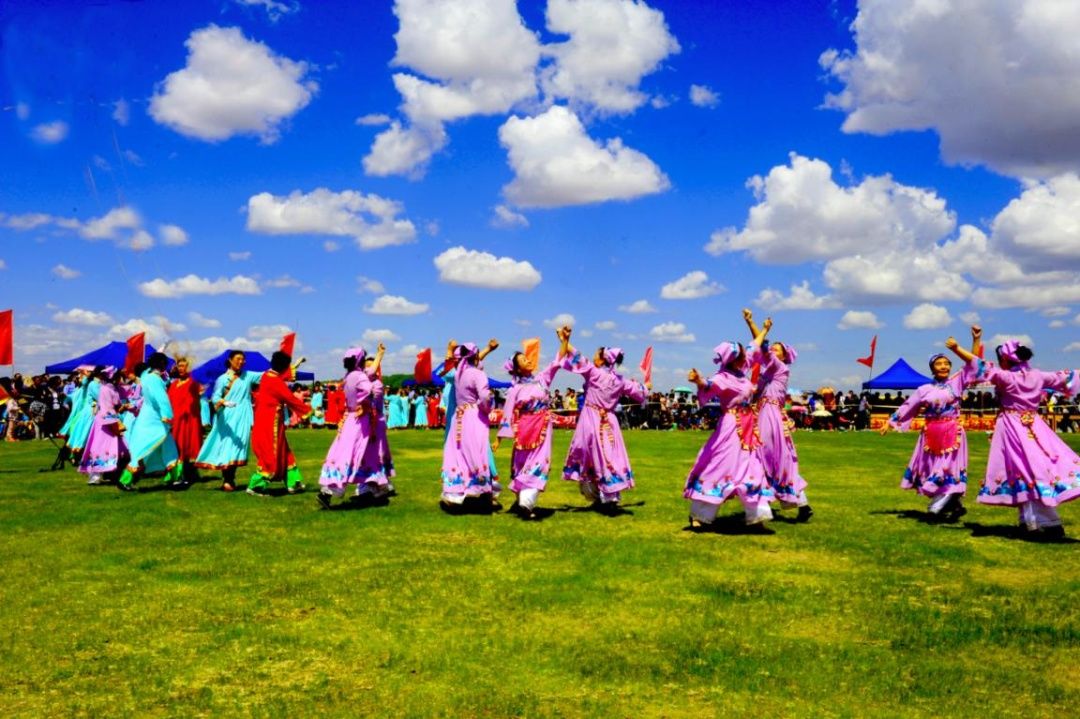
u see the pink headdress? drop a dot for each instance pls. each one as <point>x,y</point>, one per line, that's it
<point>358,352</point>
<point>612,356</point>
<point>1017,354</point>
<point>725,352</point>
<point>466,350</point>
<point>511,367</point>
<point>935,357</point>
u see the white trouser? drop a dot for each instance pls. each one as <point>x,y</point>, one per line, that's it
<point>938,503</point>
<point>1037,515</point>
<point>527,498</point>
<point>800,501</point>
<point>590,492</point>
<point>706,512</point>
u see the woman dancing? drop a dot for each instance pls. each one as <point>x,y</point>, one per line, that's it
<point>150,442</point>
<point>527,420</point>
<point>730,462</point>
<point>373,367</point>
<point>274,460</point>
<point>597,458</point>
<point>938,466</point>
<point>106,451</point>
<point>466,468</point>
<point>1029,466</point>
<point>229,441</point>
<point>184,396</point>
<point>778,454</point>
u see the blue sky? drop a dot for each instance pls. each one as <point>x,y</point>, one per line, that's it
<point>220,172</point>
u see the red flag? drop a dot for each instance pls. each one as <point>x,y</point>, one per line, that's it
<point>869,361</point>
<point>531,349</point>
<point>7,337</point>
<point>646,365</point>
<point>288,343</point>
<point>136,351</point>
<point>422,371</point>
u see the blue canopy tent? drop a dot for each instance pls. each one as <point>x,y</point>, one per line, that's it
<point>208,372</point>
<point>438,381</point>
<point>900,376</point>
<point>113,354</point>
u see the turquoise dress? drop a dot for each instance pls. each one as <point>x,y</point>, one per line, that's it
<point>229,440</point>
<point>80,428</point>
<point>78,407</point>
<point>150,440</point>
<point>399,412</point>
<point>318,413</point>
<point>420,407</point>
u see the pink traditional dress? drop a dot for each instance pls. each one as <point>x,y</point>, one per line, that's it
<point>466,470</point>
<point>597,458</point>
<point>730,462</point>
<point>106,451</point>
<point>382,441</point>
<point>778,454</point>
<point>527,420</point>
<point>353,458</point>
<point>938,466</point>
<point>1029,466</point>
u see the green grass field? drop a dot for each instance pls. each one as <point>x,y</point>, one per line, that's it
<point>205,604</point>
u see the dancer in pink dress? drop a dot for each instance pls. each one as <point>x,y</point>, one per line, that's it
<point>106,451</point>
<point>730,462</point>
<point>1029,466</point>
<point>938,466</point>
<point>381,441</point>
<point>597,458</point>
<point>466,469</point>
<point>528,422</point>
<point>778,454</point>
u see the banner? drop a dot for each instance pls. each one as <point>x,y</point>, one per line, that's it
<point>7,337</point>
<point>136,351</point>
<point>531,349</point>
<point>869,361</point>
<point>646,365</point>
<point>422,370</point>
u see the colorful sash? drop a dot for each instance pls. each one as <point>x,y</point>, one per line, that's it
<point>941,436</point>
<point>530,430</point>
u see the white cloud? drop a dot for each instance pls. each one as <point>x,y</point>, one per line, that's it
<point>133,158</point>
<point>505,218</point>
<point>671,332</point>
<point>970,318</point>
<point>395,305</point>
<point>366,284</point>
<point>371,221</point>
<point>121,111</point>
<point>801,297</point>
<point>200,320</point>
<point>275,9</point>
<point>173,235</point>
<point>101,163</point>
<point>1009,99</point>
<point>1071,347</point>
<point>373,120</point>
<point>1056,311</point>
<point>605,325</point>
<point>523,323</point>
<point>703,96</point>
<point>65,273</point>
<point>691,286</point>
<point>1040,228</point>
<point>78,316</point>
<point>612,45</point>
<point>459,266</point>
<point>239,256</point>
<point>1002,338</point>
<point>109,225</point>
<point>50,133</point>
<point>195,285</point>
<point>231,86</point>
<point>331,245</point>
<point>854,319</point>
<point>556,164</point>
<point>282,282</point>
<point>158,329</point>
<point>563,319</point>
<point>122,225</point>
<point>1043,295</point>
<point>637,307</point>
<point>380,336</point>
<point>927,316</point>
<point>404,150</point>
<point>1057,324</point>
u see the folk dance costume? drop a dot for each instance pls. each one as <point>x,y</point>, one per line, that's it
<point>382,441</point>
<point>229,441</point>
<point>420,419</point>
<point>132,396</point>
<point>1029,466</point>
<point>79,430</point>
<point>79,407</point>
<point>449,400</point>
<point>274,460</point>
<point>730,462</point>
<point>527,420</point>
<point>335,406</point>
<point>318,415</point>
<point>466,467</point>
<point>399,412</point>
<point>597,458</point>
<point>353,458</point>
<point>938,466</point>
<point>778,455</point>
<point>184,397</point>
<point>150,441</point>
<point>106,450</point>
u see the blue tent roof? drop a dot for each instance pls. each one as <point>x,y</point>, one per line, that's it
<point>208,372</point>
<point>899,376</point>
<point>113,354</point>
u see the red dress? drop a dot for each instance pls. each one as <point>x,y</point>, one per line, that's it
<point>335,406</point>
<point>272,454</point>
<point>187,418</point>
<point>433,412</point>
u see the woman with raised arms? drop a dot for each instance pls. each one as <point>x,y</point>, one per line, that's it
<point>229,441</point>
<point>466,469</point>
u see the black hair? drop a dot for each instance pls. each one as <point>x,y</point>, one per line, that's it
<point>1024,353</point>
<point>618,359</point>
<point>349,363</point>
<point>139,369</point>
<point>230,354</point>
<point>99,372</point>
<point>517,366</point>
<point>280,361</point>
<point>157,361</point>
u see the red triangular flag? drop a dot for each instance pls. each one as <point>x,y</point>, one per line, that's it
<point>646,365</point>
<point>288,343</point>
<point>7,337</point>
<point>422,370</point>
<point>136,351</point>
<point>869,361</point>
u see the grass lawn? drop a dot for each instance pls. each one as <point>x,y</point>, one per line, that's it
<point>204,604</point>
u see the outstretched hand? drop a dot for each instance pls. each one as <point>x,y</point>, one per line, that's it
<point>695,377</point>
<point>951,343</point>
<point>493,344</point>
<point>767,324</point>
<point>976,332</point>
<point>381,348</point>
<point>747,314</point>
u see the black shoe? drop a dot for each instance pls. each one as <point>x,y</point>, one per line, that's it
<point>805,513</point>
<point>181,486</point>
<point>1053,534</point>
<point>323,500</point>
<point>127,487</point>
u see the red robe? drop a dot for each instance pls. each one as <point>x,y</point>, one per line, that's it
<point>335,406</point>
<point>187,418</point>
<point>268,443</point>
<point>433,412</point>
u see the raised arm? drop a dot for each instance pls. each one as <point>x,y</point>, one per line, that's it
<point>748,317</point>
<point>959,351</point>
<point>449,363</point>
<point>563,333</point>
<point>976,340</point>
<point>380,352</point>
<point>492,345</point>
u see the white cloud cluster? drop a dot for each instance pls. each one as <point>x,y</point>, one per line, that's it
<point>859,319</point>
<point>703,96</point>
<point>371,221</point>
<point>122,225</point>
<point>79,316</point>
<point>927,316</point>
<point>671,332</point>
<point>563,319</point>
<point>800,297</point>
<point>637,307</point>
<point>473,268</point>
<point>231,86</point>
<point>200,320</point>
<point>173,235</point>
<point>194,285</point>
<point>50,133</point>
<point>65,273</point>
<point>275,9</point>
<point>505,218</point>
<point>605,325</point>
<point>395,305</point>
<point>556,164</point>
<point>376,336</point>
<point>1010,98</point>
<point>366,284</point>
<point>691,286</point>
